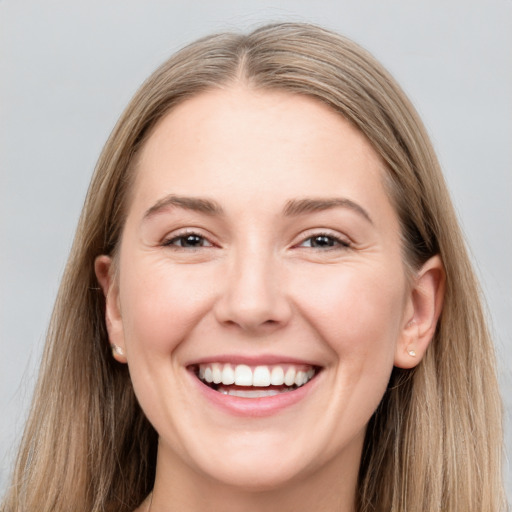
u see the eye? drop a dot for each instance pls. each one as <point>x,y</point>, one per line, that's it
<point>324,241</point>
<point>188,241</point>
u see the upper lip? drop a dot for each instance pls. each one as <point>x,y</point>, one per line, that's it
<point>253,360</point>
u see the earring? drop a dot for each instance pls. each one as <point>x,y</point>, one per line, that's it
<point>411,352</point>
<point>117,350</point>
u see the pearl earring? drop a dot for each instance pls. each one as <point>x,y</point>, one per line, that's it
<point>411,352</point>
<point>117,350</point>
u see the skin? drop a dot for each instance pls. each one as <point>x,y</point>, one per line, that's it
<point>258,284</point>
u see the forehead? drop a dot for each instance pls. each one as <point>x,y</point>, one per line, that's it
<point>238,142</point>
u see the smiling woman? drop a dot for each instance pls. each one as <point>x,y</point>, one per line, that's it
<point>286,318</point>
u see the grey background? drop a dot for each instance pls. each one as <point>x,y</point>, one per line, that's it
<point>67,69</point>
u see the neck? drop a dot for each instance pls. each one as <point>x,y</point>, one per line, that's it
<point>331,488</point>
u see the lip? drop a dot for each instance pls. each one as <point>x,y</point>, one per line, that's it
<point>252,407</point>
<point>259,360</point>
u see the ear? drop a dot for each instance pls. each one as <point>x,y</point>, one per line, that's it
<point>113,320</point>
<point>422,311</point>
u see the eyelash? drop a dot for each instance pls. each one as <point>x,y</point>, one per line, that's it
<point>182,237</point>
<point>332,242</point>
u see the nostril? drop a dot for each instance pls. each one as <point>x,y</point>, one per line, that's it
<point>252,305</point>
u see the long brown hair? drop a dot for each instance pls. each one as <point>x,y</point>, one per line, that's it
<point>435,442</point>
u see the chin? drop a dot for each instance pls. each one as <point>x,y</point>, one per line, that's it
<point>250,461</point>
<point>260,475</point>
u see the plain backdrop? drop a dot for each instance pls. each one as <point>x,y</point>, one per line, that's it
<point>68,68</point>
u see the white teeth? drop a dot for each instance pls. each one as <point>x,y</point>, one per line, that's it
<point>228,375</point>
<point>243,375</point>
<point>217,373</point>
<point>208,374</point>
<point>300,378</point>
<point>289,378</point>
<point>251,393</point>
<point>277,376</point>
<point>260,376</point>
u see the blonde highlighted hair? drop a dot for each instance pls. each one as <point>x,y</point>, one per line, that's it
<point>435,442</point>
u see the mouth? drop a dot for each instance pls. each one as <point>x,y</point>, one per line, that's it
<point>244,381</point>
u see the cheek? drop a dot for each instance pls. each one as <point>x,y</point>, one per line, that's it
<point>160,306</point>
<point>357,309</point>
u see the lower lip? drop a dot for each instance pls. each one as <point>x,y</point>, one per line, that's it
<point>255,407</point>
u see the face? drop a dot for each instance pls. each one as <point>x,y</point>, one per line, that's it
<point>260,298</point>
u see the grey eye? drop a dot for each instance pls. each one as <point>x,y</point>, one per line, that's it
<point>190,241</point>
<point>323,242</point>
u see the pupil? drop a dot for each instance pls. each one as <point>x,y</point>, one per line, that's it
<point>322,241</point>
<point>192,240</point>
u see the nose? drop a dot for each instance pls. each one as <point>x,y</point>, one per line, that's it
<point>253,297</point>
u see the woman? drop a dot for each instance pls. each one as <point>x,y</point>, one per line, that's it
<point>267,262</point>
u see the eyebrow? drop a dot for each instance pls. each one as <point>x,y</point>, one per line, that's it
<point>197,204</point>
<point>294,207</point>
<point>297,207</point>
